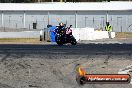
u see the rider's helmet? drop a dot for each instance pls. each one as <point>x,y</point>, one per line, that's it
<point>61,24</point>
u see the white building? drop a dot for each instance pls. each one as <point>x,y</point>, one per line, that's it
<point>95,14</point>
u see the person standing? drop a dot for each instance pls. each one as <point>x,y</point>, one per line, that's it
<point>108,28</point>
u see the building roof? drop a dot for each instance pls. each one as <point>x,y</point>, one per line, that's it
<point>91,6</point>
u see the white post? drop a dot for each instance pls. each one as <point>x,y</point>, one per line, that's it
<point>76,19</point>
<point>24,19</point>
<point>2,19</point>
<point>107,17</point>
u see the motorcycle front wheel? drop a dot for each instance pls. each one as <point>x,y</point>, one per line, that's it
<point>58,40</point>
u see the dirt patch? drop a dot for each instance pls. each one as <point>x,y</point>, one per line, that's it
<point>123,35</point>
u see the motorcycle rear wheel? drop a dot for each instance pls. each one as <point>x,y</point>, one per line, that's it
<point>73,41</point>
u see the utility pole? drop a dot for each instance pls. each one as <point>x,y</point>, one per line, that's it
<point>61,0</point>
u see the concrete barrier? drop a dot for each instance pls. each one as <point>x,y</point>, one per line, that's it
<point>24,34</point>
<point>90,34</point>
<point>75,32</point>
<point>79,34</point>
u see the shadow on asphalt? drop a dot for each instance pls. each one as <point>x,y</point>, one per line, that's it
<point>80,49</point>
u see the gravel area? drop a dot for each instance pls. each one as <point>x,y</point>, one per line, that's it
<point>56,71</point>
<point>52,66</point>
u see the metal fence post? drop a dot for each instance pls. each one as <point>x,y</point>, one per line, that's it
<point>2,19</point>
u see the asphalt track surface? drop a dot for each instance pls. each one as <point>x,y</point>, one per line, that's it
<point>52,66</point>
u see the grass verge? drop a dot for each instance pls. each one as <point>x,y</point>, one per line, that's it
<point>20,40</point>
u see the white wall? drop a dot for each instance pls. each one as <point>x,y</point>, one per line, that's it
<point>13,19</point>
<point>41,18</point>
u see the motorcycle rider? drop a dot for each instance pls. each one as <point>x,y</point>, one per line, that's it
<point>60,28</point>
